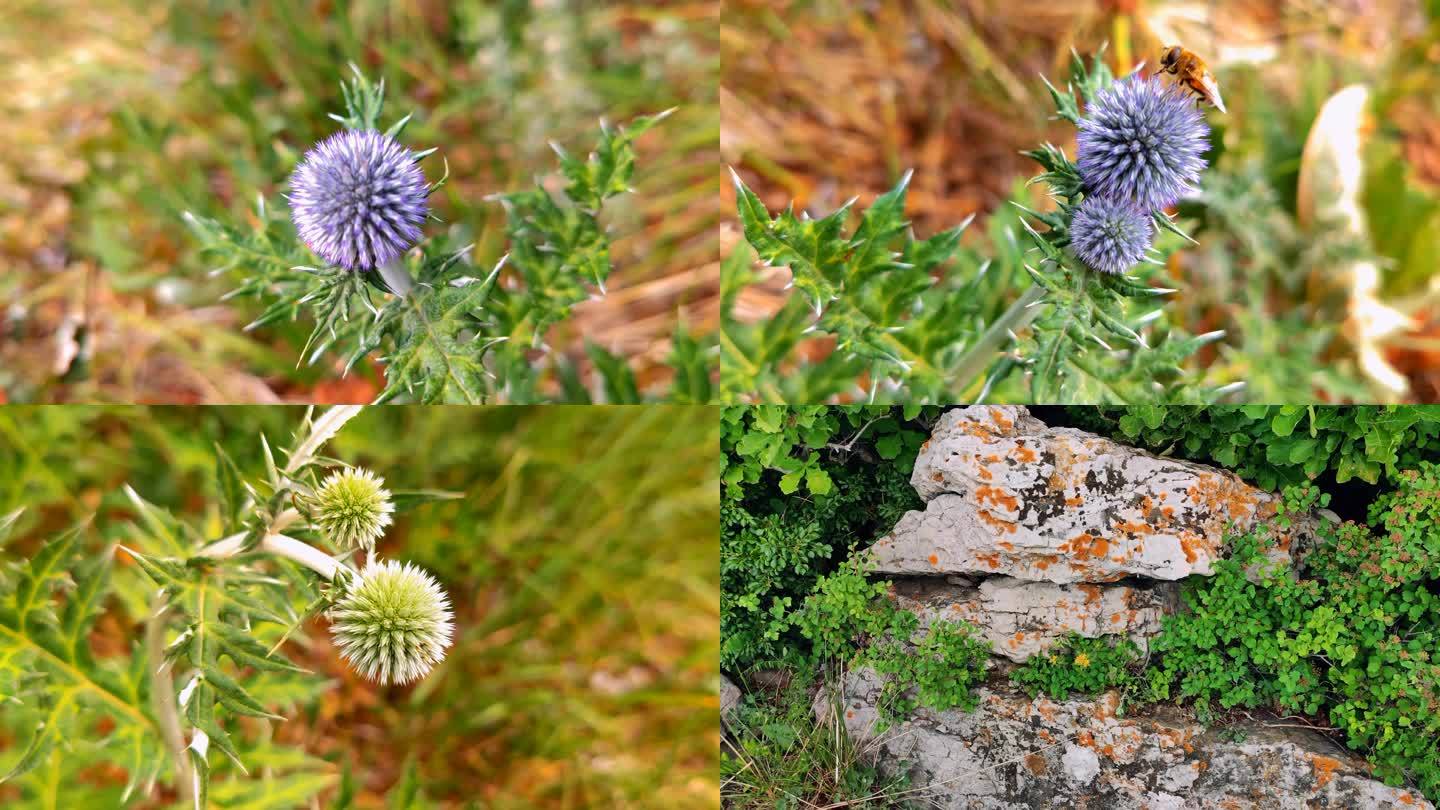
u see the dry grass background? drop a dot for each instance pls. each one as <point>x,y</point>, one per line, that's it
<point>118,114</point>
<point>824,100</point>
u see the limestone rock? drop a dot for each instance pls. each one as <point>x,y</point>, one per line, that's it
<point>1021,618</point>
<point>1016,752</point>
<point>1007,495</point>
<point>729,698</point>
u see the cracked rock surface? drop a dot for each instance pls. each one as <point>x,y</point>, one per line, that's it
<point>1021,618</point>
<point>1016,752</point>
<point>1005,494</point>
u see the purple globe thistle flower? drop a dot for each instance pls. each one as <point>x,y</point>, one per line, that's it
<point>1141,140</point>
<point>1110,235</point>
<point>358,199</point>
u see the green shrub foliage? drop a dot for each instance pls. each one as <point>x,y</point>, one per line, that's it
<point>845,608</point>
<point>1077,664</point>
<point>938,671</point>
<point>801,488</point>
<point>1275,445</point>
<point>1352,636</point>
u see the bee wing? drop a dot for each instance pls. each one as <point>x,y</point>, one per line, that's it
<point>1212,89</point>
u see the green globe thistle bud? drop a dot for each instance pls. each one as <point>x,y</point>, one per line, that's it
<point>393,623</point>
<point>352,508</point>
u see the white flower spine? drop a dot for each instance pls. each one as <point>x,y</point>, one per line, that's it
<point>352,508</point>
<point>393,624</point>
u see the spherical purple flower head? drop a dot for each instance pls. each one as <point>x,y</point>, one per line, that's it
<point>358,199</point>
<point>1110,235</point>
<point>1141,140</point>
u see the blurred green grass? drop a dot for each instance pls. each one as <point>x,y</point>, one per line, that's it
<point>581,562</point>
<point>133,112</point>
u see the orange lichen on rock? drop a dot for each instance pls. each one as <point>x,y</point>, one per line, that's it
<point>1001,420</point>
<point>1025,455</point>
<point>1132,529</point>
<point>1225,497</point>
<point>973,427</point>
<point>1092,592</point>
<point>1325,768</point>
<point>934,560</point>
<point>1036,764</point>
<point>1000,525</point>
<point>1056,481</point>
<point>1189,542</point>
<point>991,561</point>
<point>1086,546</point>
<point>996,496</point>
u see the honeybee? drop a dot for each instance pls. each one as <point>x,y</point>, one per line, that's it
<point>1192,72</point>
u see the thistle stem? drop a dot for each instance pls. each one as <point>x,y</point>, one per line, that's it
<point>304,554</point>
<point>281,546</point>
<point>1017,317</point>
<point>162,688</point>
<point>396,277</point>
<point>162,698</point>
